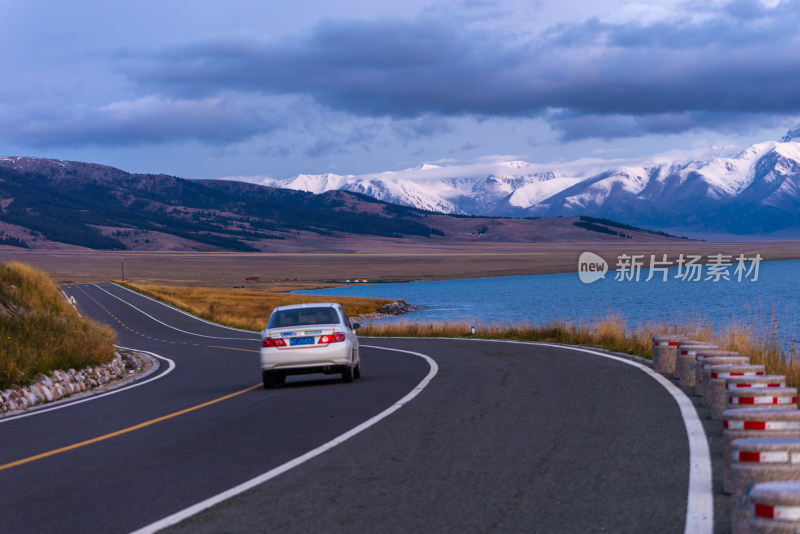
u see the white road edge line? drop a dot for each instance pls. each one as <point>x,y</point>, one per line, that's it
<point>184,312</point>
<point>68,403</point>
<point>241,488</point>
<point>70,302</point>
<point>170,326</point>
<point>700,499</point>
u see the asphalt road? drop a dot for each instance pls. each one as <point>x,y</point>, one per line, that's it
<point>505,438</point>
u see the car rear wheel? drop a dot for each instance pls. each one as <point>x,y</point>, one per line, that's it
<point>357,371</point>
<point>347,374</point>
<point>269,379</point>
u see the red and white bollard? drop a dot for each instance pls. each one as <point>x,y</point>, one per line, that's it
<point>755,461</point>
<point>755,382</point>
<point>776,507</point>
<point>702,356</point>
<point>687,360</point>
<point>717,388</point>
<point>665,352</point>
<point>708,364</point>
<point>777,398</point>
<point>755,423</point>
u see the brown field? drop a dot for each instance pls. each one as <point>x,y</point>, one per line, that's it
<point>279,272</point>
<point>465,234</point>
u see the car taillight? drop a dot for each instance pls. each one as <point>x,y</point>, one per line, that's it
<point>331,338</point>
<point>272,342</point>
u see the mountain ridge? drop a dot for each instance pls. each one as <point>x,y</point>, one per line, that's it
<point>757,191</point>
<point>47,203</point>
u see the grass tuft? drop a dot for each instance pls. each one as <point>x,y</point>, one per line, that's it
<point>40,331</point>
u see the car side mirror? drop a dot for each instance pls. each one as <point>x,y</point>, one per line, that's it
<point>356,326</point>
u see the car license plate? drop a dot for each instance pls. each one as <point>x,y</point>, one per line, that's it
<point>301,341</point>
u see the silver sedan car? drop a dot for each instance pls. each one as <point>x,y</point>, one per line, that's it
<point>309,338</point>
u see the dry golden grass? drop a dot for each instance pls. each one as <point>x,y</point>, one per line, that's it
<point>244,308</point>
<point>40,331</point>
<point>766,348</point>
<point>609,333</point>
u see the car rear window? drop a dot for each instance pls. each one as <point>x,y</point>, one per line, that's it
<point>303,316</point>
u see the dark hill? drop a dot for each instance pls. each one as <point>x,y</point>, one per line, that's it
<point>96,206</point>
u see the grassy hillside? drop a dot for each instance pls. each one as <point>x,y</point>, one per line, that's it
<point>39,330</point>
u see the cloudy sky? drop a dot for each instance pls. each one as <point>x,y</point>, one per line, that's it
<point>206,89</point>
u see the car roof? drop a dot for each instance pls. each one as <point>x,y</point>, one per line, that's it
<point>307,305</point>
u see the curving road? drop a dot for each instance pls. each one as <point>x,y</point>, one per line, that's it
<point>505,438</point>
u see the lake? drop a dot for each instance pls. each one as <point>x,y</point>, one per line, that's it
<point>547,297</point>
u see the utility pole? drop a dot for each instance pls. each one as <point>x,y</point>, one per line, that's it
<point>122,262</point>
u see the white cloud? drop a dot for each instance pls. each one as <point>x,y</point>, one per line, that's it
<point>641,13</point>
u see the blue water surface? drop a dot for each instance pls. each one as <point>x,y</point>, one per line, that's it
<point>772,298</point>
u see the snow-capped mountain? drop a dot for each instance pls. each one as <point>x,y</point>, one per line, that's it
<point>457,190</point>
<point>756,191</point>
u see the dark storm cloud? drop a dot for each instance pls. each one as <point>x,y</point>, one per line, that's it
<point>667,76</point>
<point>424,127</point>
<point>574,126</point>
<point>707,66</point>
<point>386,67</point>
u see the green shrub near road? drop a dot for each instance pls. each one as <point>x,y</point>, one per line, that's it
<point>40,331</point>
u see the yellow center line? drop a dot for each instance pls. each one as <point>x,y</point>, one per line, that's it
<point>123,431</point>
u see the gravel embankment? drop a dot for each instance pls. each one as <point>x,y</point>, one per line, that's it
<point>61,384</point>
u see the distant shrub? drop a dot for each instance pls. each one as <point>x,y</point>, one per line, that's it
<point>12,241</point>
<point>615,224</point>
<point>592,227</point>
